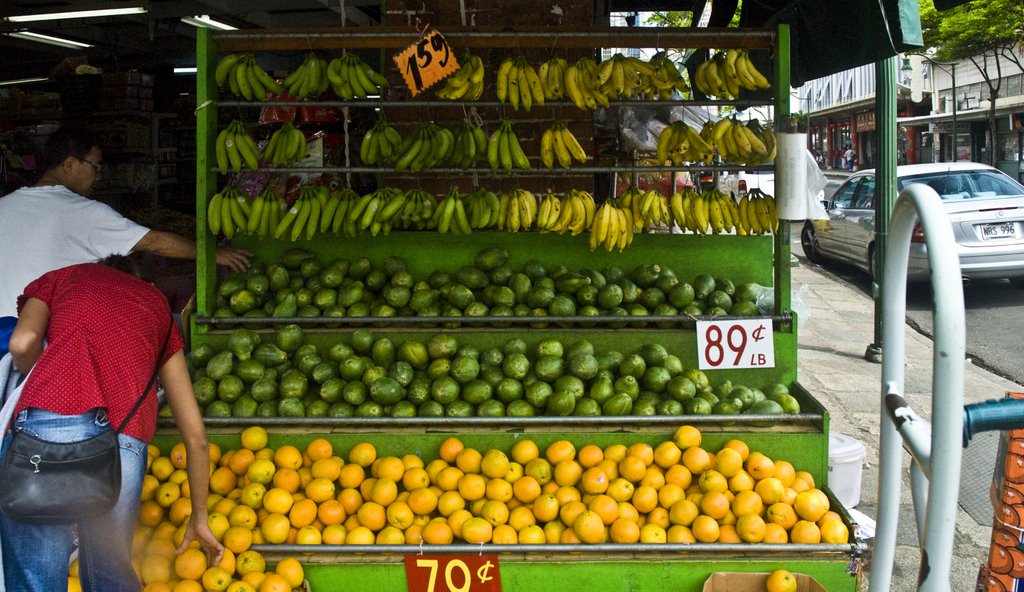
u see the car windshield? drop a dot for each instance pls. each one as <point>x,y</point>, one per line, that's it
<point>957,185</point>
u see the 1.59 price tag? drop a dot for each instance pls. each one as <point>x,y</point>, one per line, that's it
<point>747,343</point>
<point>425,62</point>
<point>452,573</point>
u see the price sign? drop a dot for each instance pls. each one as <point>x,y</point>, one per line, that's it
<point>425,62</point>
<point>452,573</point>
<point>747,343</point>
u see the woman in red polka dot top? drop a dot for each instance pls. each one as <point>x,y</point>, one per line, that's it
<point>103,331</point>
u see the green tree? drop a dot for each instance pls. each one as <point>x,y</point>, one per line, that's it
<point>980,33</point>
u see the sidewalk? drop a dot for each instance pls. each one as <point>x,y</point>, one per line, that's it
<point>835,327</point>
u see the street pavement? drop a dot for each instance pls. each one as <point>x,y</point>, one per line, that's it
<point>835,327</point>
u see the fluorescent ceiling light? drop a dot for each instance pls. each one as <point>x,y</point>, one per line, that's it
<point>204,20</point>
<point>21,81</point>
<point>189,70</point>
<point>73,14</point>
<point>49,39</point>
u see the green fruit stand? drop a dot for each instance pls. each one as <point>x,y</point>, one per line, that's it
<point>800,438</point>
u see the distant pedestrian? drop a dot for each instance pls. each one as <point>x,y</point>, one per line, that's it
<point>849,155</point>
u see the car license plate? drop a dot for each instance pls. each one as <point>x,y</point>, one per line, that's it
<point>1003,230</point>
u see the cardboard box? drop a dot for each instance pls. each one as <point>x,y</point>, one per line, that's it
<point>721,581</point>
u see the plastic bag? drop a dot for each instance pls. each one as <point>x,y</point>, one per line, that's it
<point>816,182</point>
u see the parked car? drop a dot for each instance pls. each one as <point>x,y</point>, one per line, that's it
<point>984,205</point>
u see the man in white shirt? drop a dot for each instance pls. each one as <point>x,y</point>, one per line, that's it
<point>52,224</point>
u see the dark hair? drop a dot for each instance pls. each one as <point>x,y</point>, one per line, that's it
<point>65,142</point>
<point>125,264</point>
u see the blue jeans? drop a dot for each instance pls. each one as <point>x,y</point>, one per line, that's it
<point>36,556</point>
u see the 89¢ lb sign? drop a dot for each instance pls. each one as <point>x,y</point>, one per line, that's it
<point>747,343</point>
<point>452,573</point>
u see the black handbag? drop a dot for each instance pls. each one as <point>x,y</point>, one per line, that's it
<point>62,483</point>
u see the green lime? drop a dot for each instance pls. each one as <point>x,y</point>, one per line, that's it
<point>369,409</point>
<point>291,408</point>
<point>230,388</point>
<point>491,408</point>
<point>509,390</point>
<point>218,409</point>
<point>430,409</point>
<point>355,393</point>
<point>520,408</point>
<point>403,409</point>
<point>459,408</point>
<point>477,391</point>
<point>205,389</point>
<point>340,409</point>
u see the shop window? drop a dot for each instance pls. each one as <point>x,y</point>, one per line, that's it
<point>1012,86</point>
<point>1008,148</point>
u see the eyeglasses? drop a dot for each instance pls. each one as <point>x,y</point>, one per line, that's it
<point>98,166</point>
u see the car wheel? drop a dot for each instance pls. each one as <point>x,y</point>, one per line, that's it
<point>809,242</point>
<point>872,265</point>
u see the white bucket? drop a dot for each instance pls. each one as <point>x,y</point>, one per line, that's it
<point>845,460</point>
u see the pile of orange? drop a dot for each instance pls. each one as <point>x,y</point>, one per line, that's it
<point>163,517</point>
<point>673,492</point>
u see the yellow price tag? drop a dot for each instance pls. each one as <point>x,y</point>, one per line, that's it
<point>425,62</point>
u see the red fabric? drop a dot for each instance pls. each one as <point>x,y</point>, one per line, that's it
<point>106,330</point>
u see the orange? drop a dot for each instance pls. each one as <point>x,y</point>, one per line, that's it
<point>372,515</point>
<point>805,531</point>
<point>75,585</point>
<point>605,507</point>
<point>714,504</point>
<point>632,468</point>
<point>805,477</point>
<point>651,533</point>
<point>350,499</point>
<point>291,570</point>
<point>746,502</point>
<point>331,512</point>
<point>589,455</point>
<point>334,534</point>
<point>712,480</point>
<point>190,564</point>
<point>225,505</point>
<point>362,454</point>
<point>705,529</point>
<point>449,477</point>
<point>415,478</point>
<point>566,494</point>
<point>615,452</point>
<point>468,460</point>
<point>728,462</point>
<point>249,561</point>
<point>472,486</point>
<point>785,472</point>
<point>326,468</point>
<point>523,451</point>
<point>560,450</point>
<point>161,468</point>
<point>267,453</point>
<point>167,493</point>
<point>569,511</point>
<point>240,586</point>
<point>590,528</point>
<point>450,448</point>
<point>240,460</point>
<point>620,489</point>
<point>450,502</point>
<point>683,512</point>
<point>275,583</point>
<point>400,515</point>
<point>645,498</point>
<point>384,491</point>
<point>643,450</point>
<point>727,534</point>
<point>667,454</point>
<point>553,531</point>
<point>308,535</point>
<point>782,514</point>
<point>477,530</point>
<point>772,490</point>
<point>594,480</point>
<point>526,489</point>
<point>494,464</point>
<point>252,495</point>
<point>437,533</point>
<point>494,512</point>
<point>288,457</point>
<point>360,535</point>
<point>320,489</point>
<point>500,490</point>
<point>254,438</point>
<point>540,469</point>
<point>739,446</point>
<point>568,472</point>
<point>610,468</point>
<point>186,586</point>
<point>679,475</point>
<point>351,475</point>
<point>275,529</point>
<point>391,467</point>
<point>150,513</point>
<point>149,485</point>
<point>216,579</point>
<point>422,500</point>
<point>255,579</point>
<point>751,528</point>
<point>532,535</point>
<point>780,580</point>
<point>741,481</point>
<point>686,436</point>
<point>760,466</point>
<point>696,459</point>
<point>624,531</point>
<point>810,506</point>
<point>677,534</point>
<point>834,532</point>
<point>318,449</point>
<point>546,507</point>
<point>302,513</point>
<point>238,539</point>
<point>669,494</point>
<point>287,479</point>
<point>261,470</point>
<point>658,516</point>
<point>178,456</point>
<point>775,534</point>
<point>278,500</point>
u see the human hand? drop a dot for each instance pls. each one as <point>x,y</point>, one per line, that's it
<point>232,258</point>
<point>201,532</point>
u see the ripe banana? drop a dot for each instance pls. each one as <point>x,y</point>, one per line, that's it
<point>466,83</point>
<point>612,227</point>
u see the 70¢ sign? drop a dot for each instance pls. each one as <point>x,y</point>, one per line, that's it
<point>452,573</point>
<point>747,343</point>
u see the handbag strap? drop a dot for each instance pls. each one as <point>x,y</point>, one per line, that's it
<point>152,379</point>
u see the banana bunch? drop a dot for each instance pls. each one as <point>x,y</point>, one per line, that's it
<point>265,214</point>
<point>757,214</point>
<point>466,83</point>
<point>304,216</point>
<point>450,215</point>
<point>375,212</point>
<point>621,76</point>
<point>244,78</point>
<point>504,150</point>
<point>559,142</point>
<point>711,212</point>
<point>470,144</point>
<point>574,215</point>
<point>519,84</point>
<point>552,77</point>
<point>612,227</point>
<point>666,79</point>
<point>334,217</point>
<point>725,73</point>
<point>680,143</point>
<point>483,208</point>
<point>743,144</point>
<point>548,212</point>
<point>517,210</point>
<point>380,143</point>
<point>286,146</point>
<point>582,84</point>
<point>228,212</point>
<point>235,147</point>
<point>428,146</point>
<point>649,207</point>
<point>352,78</point>
<point>309,79</point>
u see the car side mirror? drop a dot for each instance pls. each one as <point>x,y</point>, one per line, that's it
<point>826,204</point>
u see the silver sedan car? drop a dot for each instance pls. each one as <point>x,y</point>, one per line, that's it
<point>984,205</point>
